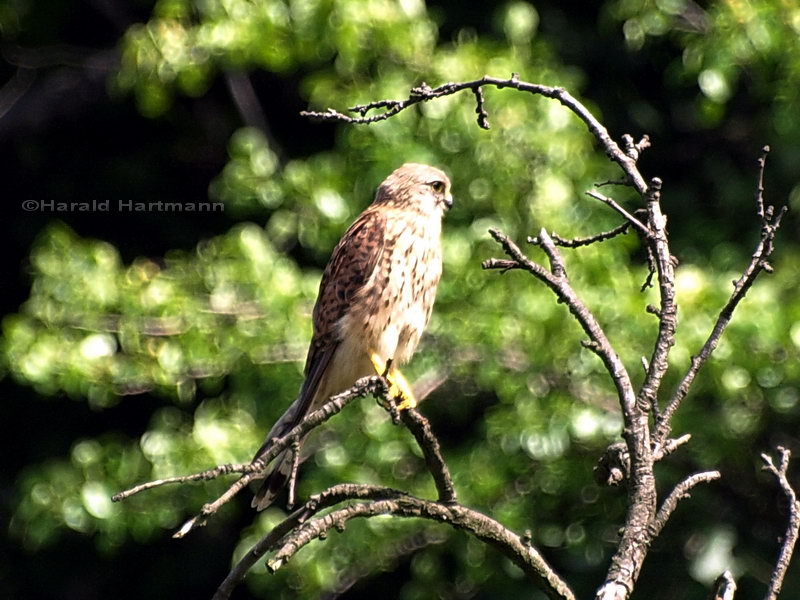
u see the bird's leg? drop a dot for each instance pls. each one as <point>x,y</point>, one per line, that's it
<point>404,387</point>
<point>399,387</point>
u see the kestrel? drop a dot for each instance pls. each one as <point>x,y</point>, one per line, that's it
<point>374,301</point>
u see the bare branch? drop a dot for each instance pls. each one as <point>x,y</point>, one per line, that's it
<point>724,587</point>
<point>680,492</point>
<point>633,546</point>
<point>586,241</point>
<point>367,385</point>
<point>668,310</point>
<point>315,504</point>
<point>770,223</point>
<point>201,476</point>
<point>792,529</point>
<point>520,551</point>
<point>421,428</point>
<point>638,225</point>
<point>424,93</point>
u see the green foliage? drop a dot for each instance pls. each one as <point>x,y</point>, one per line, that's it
<point>220,332</point>
<point>732,44</point>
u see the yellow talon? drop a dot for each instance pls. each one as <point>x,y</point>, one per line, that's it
<point>406,393</point>
<point>399,387</point>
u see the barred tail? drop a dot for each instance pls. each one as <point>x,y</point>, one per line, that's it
<point>305,403</point>
<point>275,481</point>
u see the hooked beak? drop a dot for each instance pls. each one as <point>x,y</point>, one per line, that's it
<point>448,201</point>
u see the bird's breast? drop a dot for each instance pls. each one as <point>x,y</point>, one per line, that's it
<point>395,305</point>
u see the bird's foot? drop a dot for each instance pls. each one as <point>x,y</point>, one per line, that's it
<point>399,387</point>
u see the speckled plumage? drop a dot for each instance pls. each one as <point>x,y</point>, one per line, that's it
<point>375,297</point>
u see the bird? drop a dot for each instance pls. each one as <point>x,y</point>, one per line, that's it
<point>374,301</point>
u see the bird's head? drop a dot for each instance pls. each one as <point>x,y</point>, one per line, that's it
<point>416,186</point>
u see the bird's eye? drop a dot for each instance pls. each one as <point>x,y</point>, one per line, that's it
<point>438,186</point>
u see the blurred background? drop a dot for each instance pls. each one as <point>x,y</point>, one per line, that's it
<point>141,341</point>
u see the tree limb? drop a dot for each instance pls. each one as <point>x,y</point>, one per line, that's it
<point>519,551</point>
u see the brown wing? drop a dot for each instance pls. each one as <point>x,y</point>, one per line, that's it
<point>351,264</point>
<point>350,267</point>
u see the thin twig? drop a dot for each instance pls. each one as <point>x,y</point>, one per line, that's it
<point>680,492</point>
<point>585,241</point>
<point>762,164</point>
<point>480,108</point>
<point>206,475</point>
<point>640,227</point>
<point>622,182</point>
<point>292,483</point>
<point>793,527</point>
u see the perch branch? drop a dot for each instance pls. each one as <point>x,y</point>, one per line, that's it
<point>299,528</point>
<point>367,385</point>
